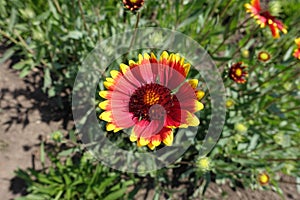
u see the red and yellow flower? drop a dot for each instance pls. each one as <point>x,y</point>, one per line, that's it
<point>264,18</point>
<point>263,56</point>
<point>151,96</point>
<point>238,73</point>
<point>296,53</point>
<point>133,5</point>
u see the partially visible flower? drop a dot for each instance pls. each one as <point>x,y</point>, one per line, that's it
<point>57,136</point>
<point>263,179</point>
<point>153,97</point>
<point>133,5</point>
<point>241,128</point>
<point>204,164</point>
<point>245,53</point>
<point>229,103</point>
<point>263,56</point>
<point>264,18</point>
<point>238,138</point>
<point>238,73</point>
<point>296,53</point>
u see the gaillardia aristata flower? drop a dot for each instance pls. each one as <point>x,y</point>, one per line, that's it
<point>153,97</point>
<point>204,164</point>
<point>296,53</point>
<point>263,179</point>
<point>238,73</point>
<point>133,5</point>
<point>264,17</point>
<point>263,56</point>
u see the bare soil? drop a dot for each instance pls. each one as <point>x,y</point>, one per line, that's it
<point>27,117</point>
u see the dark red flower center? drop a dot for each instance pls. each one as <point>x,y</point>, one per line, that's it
<point>151,102</point>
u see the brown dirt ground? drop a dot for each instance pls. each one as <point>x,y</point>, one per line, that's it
<point>27,116</point>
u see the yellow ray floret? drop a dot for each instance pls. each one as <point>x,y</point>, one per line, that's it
<point>108,84</point>
<point>133,137</point>
<point>155,143</point>
<point>164,55</point>
<point>200,94</point>
<point>186,67</point>
<point>104,94</point>
<point>193,83</point>
<point>152,56</point>
<point>181,62</point>
<point>146,56</point>
<point>104,104</point>
<point>132,63</point>
<point>124,68</point>
<point>198,106</point>
<point>140,59</point>
<point>114,73</point>
<point>151,146</point>
<point>177,57</point>
<point>169,139</point>
<point>112,127</point>
<point>106,116</point>
<point>297,41</point>
<point>143,141</point>
<point>110,80</point>
<point>192,120</point>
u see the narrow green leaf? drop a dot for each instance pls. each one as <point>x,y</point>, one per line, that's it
<point>8,53</point>
<point>47,79</point>
<point>116,195</point>
<point>42,156</point>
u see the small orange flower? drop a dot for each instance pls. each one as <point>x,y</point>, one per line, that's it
<point>133,5</point>
<point>264,18</point>
<point>237,72</point>
<point>264,56</point>
<point>296,53</point>
<point>263,179</point>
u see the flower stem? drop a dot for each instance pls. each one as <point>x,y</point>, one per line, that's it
<point>134,34</point>
<point>82,15</point>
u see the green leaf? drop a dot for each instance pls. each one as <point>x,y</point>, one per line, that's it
<point>42,156</point>
<point>73,35</point>
<point>53,9</point>
<point>12,20</point>
<point>47,79</point>
<point>188,21</point>
<point>253,142</point>
<point>116,195</point>
<point>8,53</point>
<point>72,136</point>
<point>20,65</point>
<point>25,71</point>
<point>58,196</point>
<point>298,184</point>
<point>68,152</point>
<point>104,184</point>
<point>67,180</point>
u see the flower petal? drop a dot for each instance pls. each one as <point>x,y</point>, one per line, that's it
<point>105,94</point>
<point>105,105</point>
<point>200,94</point>
<point>106,116</point>
<point>167,137</point>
